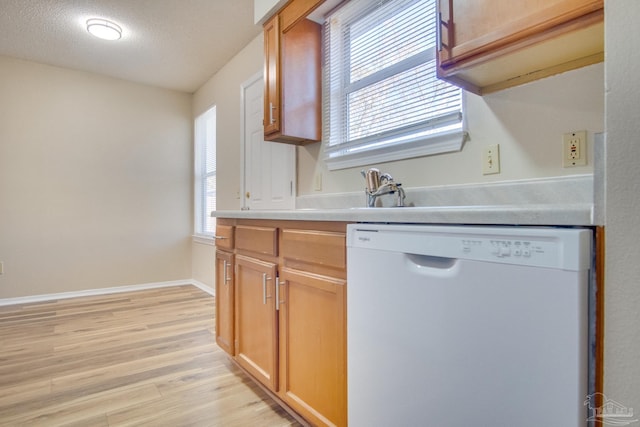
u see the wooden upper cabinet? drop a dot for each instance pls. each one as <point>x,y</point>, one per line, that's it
<point>292,75</point>
<point>490,45</point>
<point>296,10</point>
<point>271,78</point>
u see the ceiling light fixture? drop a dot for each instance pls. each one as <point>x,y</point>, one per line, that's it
<point>104,29</point>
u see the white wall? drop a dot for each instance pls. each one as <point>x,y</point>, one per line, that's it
<point>95,181</point>
<point>203,268</point>
<point>622,272</point>
<point>223,91</point>
<point>264,8</point>
<point>527,121</point>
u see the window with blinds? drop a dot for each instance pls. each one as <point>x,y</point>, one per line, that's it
<point>382,99</point>
<point>205,173</point>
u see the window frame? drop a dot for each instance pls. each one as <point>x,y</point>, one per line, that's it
<point>445,133</point>
<point>204,146</point>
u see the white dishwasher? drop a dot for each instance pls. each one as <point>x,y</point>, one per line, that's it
<point>458,326</point>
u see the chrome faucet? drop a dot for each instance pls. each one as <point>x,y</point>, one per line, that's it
<point>381,184</point>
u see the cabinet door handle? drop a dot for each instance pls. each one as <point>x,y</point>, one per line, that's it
<point>224,272</point>
<point>278,293</point>
<point>264,288</point>
<point>227,276</point>
<point>271,108</point>
<point>220,237</point>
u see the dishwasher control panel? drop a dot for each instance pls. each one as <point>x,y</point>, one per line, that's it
<point>502,248</point>
<point>534,246</point>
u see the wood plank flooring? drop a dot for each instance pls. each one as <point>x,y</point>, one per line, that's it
<point>144,358</point>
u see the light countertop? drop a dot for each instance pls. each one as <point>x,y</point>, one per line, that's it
<point>551,201</point>
<point>573,214</point>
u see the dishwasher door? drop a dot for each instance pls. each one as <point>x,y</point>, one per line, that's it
<point>467,326</point>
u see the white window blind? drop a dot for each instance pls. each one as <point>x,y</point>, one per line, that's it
<point>205,172</point>
<point>382,99</point>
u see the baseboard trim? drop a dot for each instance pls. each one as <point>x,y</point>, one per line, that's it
<point>203,287</point>
<point>104,291</point>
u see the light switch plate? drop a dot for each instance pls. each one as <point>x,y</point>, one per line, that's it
<point>491,159</point>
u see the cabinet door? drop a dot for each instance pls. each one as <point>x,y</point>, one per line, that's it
<point>224,301</point>
<point>300,78</point>
<point>292,74</point>
<point>477,27</point>
<point>256,319</point>
<point>313,346</point>
<point>271,76</point>
<point>490,45</point>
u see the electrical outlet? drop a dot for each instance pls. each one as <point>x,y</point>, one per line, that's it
<point>574,149</point>
<point>1,268</point>
<point>491,159</point>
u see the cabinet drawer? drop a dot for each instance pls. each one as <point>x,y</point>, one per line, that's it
<point>261,240</point>
<point>315,247</point>
<point>224,236</point>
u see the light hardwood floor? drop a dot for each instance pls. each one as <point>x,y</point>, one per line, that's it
<point>144,358</point>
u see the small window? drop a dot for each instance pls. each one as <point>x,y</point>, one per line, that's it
<point>382,99</point>
<point>205,172</point>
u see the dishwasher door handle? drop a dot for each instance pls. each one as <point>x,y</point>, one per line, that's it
<point>428,265</point>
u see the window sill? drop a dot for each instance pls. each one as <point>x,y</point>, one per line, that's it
<point>443,143</point>
<point>203,239</point>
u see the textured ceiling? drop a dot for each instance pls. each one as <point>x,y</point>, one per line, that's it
<point>175,44</point>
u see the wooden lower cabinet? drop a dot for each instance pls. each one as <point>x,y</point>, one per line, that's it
<point>289,312</point>
<point>256,323</point>
<point>225,301</point>
<point>313,357</point>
